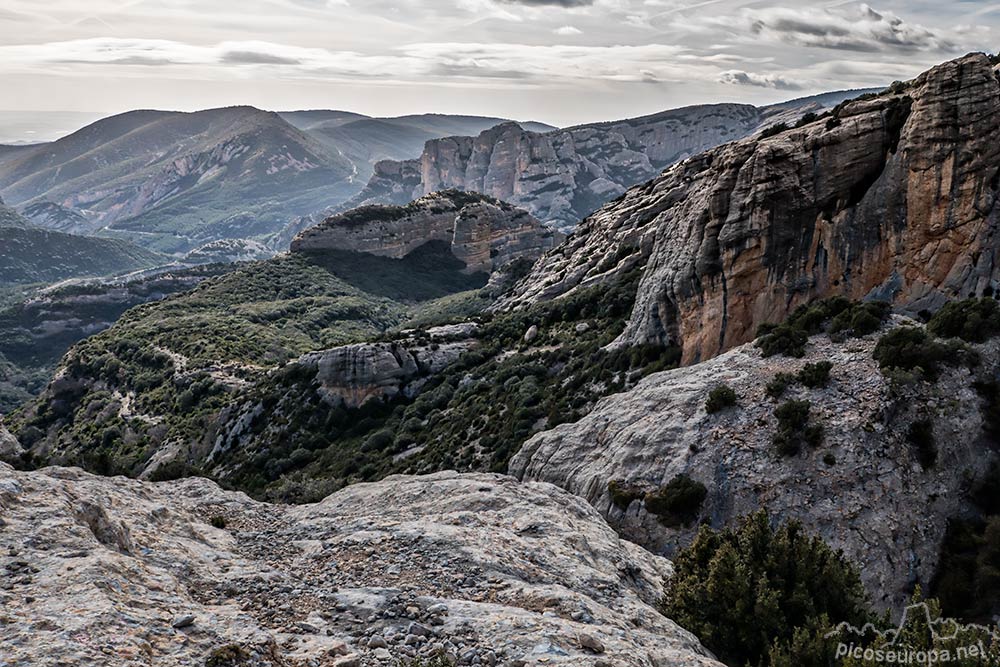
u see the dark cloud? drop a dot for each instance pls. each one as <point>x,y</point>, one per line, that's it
<point>738,78</point>
<point>256,58</point>
<point>861,29</point>
<point>550,3</point>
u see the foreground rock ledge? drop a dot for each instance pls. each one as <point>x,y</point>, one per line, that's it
<point>103,571</point>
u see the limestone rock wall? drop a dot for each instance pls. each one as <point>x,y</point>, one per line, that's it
<point>484,233</point>
<point>862,489</point>
<point>562,176</point>
<point>895,199</point>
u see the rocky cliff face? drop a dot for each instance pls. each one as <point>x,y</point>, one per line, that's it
<point>892,196</point>
<point>482,232</point>
<point>353,374</point>
<point>562,176</point>
<point>862,489</point>
<point>476,567</point>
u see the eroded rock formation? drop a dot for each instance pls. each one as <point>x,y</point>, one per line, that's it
<point>862,488</point>
<point>353,374</point>
<point>562,176</point>
<point>484,233</point>
<point>891,197</point>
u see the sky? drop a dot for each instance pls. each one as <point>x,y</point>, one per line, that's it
<point>558,61</point>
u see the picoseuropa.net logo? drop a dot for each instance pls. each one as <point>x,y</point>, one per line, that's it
<point>942,641</point>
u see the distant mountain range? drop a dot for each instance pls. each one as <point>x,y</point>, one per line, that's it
<point>175,181</point>
<point>562,176</point>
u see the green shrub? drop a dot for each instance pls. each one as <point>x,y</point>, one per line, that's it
<point>835,315</point>
<point>218,521</point>
<point>806,119</point>
<point>793,414</point>
<point>793,429</point>
<point>777,385</point>
<point>720,398</point>
<point>678,502</point>
<point>232,655</point>
<point>379,440</point>
<point>624,494</point>
<point>972,320</point>
<point>173,471</point>
<point>861,319</point>
<point>774,130</point>
<point>784,339</point>
<point>815,375</point>
<point>911,348</point>
<point>968,576</point>
<point>921,437</point>
<point>750,590</point>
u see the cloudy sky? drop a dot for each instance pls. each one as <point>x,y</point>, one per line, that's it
<point>558,61</point>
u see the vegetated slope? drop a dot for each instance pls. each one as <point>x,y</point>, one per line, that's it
<point>30,255</point>
<point>213,379</point>
<point>177,180</point>
<point>57,218</point>
<point>11,218</point>
<point>171,365</point>
<point>37,329</point>
<point>561,176</point>
<point>891,196</point>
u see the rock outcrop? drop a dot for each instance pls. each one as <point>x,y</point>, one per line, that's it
<point>482,232</point>
<point>353,374</point>
<point>228,251</point>
<point>10,448</point>
<point>480,568</point>
<point>562,176</point>
<point>862,489</point>
<point>891,197</point>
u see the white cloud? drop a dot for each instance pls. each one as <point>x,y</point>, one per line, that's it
<point>564,60</point>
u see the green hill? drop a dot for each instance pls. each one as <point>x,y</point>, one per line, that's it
<point>32,255</point>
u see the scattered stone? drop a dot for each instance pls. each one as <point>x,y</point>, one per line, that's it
<point>591,643</point>
<point>185,621</point>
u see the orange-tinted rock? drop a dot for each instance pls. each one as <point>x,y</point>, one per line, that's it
<point>893,199</point>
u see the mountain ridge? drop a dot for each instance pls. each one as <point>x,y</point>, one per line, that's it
<point>562,175</point>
